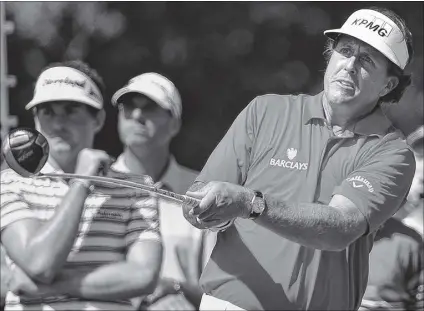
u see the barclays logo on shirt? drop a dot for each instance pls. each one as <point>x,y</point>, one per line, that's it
<point>293,165</point>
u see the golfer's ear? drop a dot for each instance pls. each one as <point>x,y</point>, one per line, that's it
<point>392,83</point>
<point>175,126</point>
<point>99,120</point>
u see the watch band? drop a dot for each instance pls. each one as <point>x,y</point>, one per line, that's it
<point>257,208</point>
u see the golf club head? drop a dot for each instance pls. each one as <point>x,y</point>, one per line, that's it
<point>26,151</point>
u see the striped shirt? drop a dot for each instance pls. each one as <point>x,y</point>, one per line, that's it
<point>113,219</point>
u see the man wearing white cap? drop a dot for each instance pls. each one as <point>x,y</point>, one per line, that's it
<point>149,117</point>
<point>300,184</point>
<point>76,245</point>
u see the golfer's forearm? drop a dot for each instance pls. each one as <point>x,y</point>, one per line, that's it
<point>49,248</point>
<point>122,280</point>
<point>312,225</point>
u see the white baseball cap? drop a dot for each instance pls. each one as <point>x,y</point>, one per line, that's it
<point>65,83</point>
<point>157,88</point>
<point>377,30</point>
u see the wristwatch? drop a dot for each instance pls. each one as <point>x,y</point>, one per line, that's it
<point>258,205</point>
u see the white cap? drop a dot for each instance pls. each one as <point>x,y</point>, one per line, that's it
<point>157,88</point>
<point>377,30</point>
<point>416,137</point>
<point>66,83</point>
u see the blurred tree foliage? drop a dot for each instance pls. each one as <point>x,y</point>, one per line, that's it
<point>219,54</point>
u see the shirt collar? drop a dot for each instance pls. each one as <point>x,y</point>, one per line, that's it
<point>168,177</point>
<point>171,175</point>
<point>375,123</point>
<point>313,108</point>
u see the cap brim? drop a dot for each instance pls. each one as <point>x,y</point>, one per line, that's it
<point>126,90</point>
<point>416,137</point>
<point>37,100</point>
<point>378,45</point>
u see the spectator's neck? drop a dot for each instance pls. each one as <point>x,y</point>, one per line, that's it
<point>67,165</point>
<point>153,163</point>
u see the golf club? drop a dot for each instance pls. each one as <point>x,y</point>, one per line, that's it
<point>26,151</point>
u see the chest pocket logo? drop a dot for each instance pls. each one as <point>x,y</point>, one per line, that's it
<point>291,154</point>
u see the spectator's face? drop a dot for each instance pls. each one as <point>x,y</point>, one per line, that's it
<point>356,75</point>
<point>142,122</point>
<point>68,126</point>
<point>417,187</point>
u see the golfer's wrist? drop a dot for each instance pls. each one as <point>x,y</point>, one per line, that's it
<point>82,184</point>
<point>222,227</point>
<point>247,204</point>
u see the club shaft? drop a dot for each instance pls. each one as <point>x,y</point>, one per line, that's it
<point>129,184</point>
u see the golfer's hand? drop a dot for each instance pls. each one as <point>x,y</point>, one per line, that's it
<point>21,284</point>
<point>164,288</point>
<point>91,162</point>
<point>221,202</point>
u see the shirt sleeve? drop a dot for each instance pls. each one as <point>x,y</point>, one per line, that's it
<point>379,186</point>
<point>13,206</point>
<point>144,221</point>
<point>231,158</point>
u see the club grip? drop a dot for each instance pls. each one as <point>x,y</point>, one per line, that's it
<point>191,201</point>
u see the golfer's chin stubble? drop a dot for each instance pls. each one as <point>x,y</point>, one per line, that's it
<point>340,96</point>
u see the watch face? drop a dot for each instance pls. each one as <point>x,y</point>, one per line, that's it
<point>258,204</point>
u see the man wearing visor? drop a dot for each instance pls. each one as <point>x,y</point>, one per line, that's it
<point>300,184</point>
<point>76,245</point>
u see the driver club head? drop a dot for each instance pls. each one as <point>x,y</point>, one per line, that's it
<point>26,151</point>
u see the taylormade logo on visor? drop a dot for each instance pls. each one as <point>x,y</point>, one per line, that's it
<point>374,24</point>
<point>82,84</point>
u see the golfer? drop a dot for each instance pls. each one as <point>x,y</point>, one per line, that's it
<point>301,183</point>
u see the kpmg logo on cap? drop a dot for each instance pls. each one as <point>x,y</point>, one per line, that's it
<point>374,24</point>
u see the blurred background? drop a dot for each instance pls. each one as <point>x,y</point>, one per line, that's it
<point>220,55</point>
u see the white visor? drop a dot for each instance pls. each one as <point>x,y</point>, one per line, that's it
<point>377,30</point>
<point>66,84</point>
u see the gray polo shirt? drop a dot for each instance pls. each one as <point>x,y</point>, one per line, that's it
<point>282,146</point>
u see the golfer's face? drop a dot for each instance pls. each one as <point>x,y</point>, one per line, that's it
<point>142,121</point>
<point>356,74</point>
<point>68,126</point>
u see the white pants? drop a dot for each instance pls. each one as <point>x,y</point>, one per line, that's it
<point>212,303</point>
